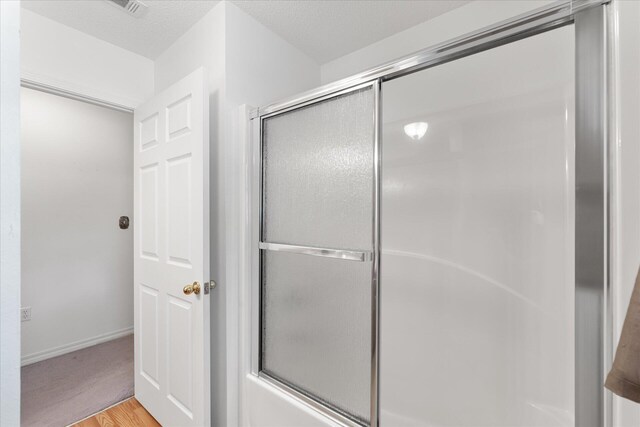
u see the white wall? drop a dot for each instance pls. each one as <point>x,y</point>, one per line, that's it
<point>77,264</point>
<point>261,67</point>
<point>60,56</point>
<point>246,63</point>
<point>626,211</point>
<point>9,213</point>
<point>201,45</point>
<point>471,17</point>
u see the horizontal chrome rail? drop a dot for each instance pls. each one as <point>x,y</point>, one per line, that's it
<point>349,255</point>
<point>543,19</point>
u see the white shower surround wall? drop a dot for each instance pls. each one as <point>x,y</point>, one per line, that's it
<point>477,223</point>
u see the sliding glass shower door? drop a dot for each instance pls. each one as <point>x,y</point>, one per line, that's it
<point>432,244</point>
<point>477,239</point>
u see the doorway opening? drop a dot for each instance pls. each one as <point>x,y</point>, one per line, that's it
<point>77,258</point>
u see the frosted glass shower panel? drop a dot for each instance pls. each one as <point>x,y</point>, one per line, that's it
<point>316,328</point>
<point>477,239</point>
<point>317,191</point>
<point>318,173</point>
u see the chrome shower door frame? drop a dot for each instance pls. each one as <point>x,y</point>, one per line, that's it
<point>592,284</point>
<point>347,255</point>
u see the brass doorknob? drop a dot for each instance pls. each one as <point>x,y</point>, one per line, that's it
<point>192,289</point>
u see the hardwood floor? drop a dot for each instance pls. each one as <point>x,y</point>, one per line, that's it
<point>129,413</point>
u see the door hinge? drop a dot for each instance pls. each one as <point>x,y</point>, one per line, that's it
<point>209,286</point>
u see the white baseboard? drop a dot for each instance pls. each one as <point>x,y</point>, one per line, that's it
<point>77,345</point>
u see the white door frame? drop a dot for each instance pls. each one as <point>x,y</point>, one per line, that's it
<point>10,213</point>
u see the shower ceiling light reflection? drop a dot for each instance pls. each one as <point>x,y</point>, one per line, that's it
<point>416,130</point>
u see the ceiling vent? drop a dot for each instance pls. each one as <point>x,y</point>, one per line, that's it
<point>132,7</point>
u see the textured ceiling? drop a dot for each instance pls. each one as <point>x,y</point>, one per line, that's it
<point>326,30</point>
<point>323,29</point>
<point>150,35</point>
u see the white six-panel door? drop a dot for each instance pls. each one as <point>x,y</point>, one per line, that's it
<point>171,250</point>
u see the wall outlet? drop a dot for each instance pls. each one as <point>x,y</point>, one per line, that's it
<point>25,314</point>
